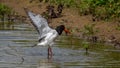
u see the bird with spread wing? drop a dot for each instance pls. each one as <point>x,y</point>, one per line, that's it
<point>46,34</point>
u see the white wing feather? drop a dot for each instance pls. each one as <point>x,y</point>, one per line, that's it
<point>40,24</point>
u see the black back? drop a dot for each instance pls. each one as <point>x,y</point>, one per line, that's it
<point>60,29</point>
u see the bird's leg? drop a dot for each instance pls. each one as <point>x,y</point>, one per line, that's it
<point>49,52</point>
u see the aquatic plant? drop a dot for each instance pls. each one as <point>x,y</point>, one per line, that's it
<point>4,10</point>
<point>89,29</point>
<point>89,32</point>
<point>85,45</point>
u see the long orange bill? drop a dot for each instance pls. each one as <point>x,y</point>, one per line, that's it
<point>67,31</point>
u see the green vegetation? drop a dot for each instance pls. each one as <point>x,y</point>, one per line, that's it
<point>89,30</point>
<point>4,11</point>
<point>118,27</point>
<point>99,9</point>
<point>85,45</point>
<point>68,3</point>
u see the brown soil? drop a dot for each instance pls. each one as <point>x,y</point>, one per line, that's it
<point>70,18</point>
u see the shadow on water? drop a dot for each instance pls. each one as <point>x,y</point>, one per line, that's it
<point>68,51</point>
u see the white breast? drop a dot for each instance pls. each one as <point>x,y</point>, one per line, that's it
<point>49,38</point>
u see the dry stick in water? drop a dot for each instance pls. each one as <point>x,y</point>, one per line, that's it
<point>18,54</point>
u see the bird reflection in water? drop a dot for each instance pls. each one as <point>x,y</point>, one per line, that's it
<point>49,61</point>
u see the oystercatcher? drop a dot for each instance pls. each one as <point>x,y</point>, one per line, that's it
<point>46,34</point>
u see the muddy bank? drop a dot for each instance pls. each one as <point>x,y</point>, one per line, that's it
<point>70,18</point>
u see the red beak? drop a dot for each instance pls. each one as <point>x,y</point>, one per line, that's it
<point>67,31</point>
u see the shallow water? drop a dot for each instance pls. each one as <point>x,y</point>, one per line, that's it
<point>16,51</point>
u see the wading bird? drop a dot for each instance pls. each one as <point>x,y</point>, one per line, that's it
<point>46,34</point>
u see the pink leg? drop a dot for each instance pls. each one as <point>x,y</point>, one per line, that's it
<point>49,52</point>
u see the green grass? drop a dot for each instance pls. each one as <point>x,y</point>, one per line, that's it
<point>100,9</point>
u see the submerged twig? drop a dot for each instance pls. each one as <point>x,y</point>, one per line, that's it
<point>18,54</point>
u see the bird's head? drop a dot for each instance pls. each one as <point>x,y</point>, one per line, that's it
<point>61,28</point>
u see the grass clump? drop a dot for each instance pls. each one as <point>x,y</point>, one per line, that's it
<point>99,9</point>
